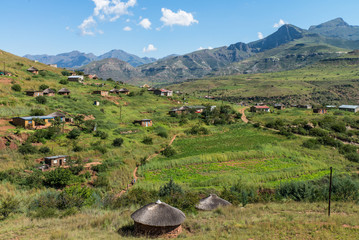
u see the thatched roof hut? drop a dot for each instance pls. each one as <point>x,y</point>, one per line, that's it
<point>64,91</point>
<point>211,202</point>
<point>158,219</point>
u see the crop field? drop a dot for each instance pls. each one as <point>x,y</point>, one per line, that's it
<point>243,153</point>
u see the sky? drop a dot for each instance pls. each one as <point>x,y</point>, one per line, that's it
<point>154,28</point>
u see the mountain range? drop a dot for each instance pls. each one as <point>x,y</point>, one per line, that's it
<point>77,59</point>
<point>290,47</point>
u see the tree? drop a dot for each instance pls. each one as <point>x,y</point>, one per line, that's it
<point>27,148</point>
<point>64,81</point>
<point>41,99</point>
<point>74,133</point>
<point>65,73</point>
<point>16,87</point>
<point>169,189</point>
<point>37,112</point>
<point>8,205</point>
<point>117,142</point>
<point>43,87</point>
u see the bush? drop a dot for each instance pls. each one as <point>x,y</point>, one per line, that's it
<point>170,188</point>
<point>64,82</point>
<point>16,87</point>
<point>347,148</point>
<point>147,141</point>
<point>77,148</point>
<point>66,73</point>
<point>37,112</point>
<point>339,127</point>
<point>41,99</point>
<point>117,142</point>
<point>311,144</point>
<point>298,191</point>
<point>44,150</point>
<point>169,151</point>
<point>27,148</point>
<point>8,205</point>
<point>162,132</point>
<point>353,157</point>
<point>58,178</point>
<point>74,133</point>
<point>197,130</point>
<point>317,132</point>
<point>101,134</point>
<point>43,87</point>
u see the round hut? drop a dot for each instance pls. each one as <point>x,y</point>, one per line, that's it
<point>211,202</point>
<point>158,219</point>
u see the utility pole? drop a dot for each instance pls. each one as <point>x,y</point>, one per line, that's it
<point>330,189</point>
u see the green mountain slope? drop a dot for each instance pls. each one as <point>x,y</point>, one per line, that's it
<point>337,28</point>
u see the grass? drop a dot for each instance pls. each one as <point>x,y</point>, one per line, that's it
<point>255,221</point>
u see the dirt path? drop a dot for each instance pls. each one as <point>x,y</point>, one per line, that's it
<point>244,118</point>
<point>134,174</point>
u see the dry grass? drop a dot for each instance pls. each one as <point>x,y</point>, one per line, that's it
<point>258,221</point>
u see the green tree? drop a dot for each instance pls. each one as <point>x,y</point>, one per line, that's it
<point>58,178</point>
<point>169,189</point>
<point>16,87</point>
<point>43,87</point>
<point>8,205</point>
<point>74,133</point>
<point>117,142</point>
<point>41,99</point>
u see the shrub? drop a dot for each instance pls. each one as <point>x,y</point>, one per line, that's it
<point>27,148</point>
<point>317,132</point>
<point>101,134</point>
<point>298,191</point>
<point>339,127</point>
<point>353,157</point>
<point>197,130</point>
<point>58,178</point>
<point>43,87</point>
<point>169,151</point>
<point>64,82</point>
<point>347,148</point>
<point>147,141</point>
<point>8,205</point>
<point>44,150</point>
<point>170,188</point>
<point>77,148</point>
<point>162,132</point>
<point>16,87</point>
<point>311,144</point>
<point>117,142</point>
<point>74,133</point>
<point>37,112</point>
<point>41,99</point>
<point>66,73</point>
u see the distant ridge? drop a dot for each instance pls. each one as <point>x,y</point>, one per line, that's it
<point>337,28</point>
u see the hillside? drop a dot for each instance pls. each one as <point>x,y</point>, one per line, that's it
<point>337,28</point>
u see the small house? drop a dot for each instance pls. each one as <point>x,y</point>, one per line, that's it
<point>49,92</point>
<point>64,91</point>
<point>349,108</point>
<point>58,115</point>
<point>210,97</point>
<point>115,90</point>
<point>124,91</point>
<point>279,106</point>
<point>212,202</point>
<point>33,121</point>
<point>163,92</point>
<point>34,93</point>
<point>307,106</point>
<point>151,89</point>
<point>52,65</point>
<point>158,220</point>
<point>144,122</point>
<point>330,106</point>
<point>260,109</point>
<point>320,110</point>
<point>33,70</point>
<point>101,92</point>
<point>92,76</point>
<point>96,103</point>
<point>145,86</point>
<point>56,161</point>
<point>75,78</point>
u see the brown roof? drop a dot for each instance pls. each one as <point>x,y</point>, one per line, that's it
<point>49,90</point>
<point>211,202</point>
<point>159,214</point>
<point>57,114</point>
<point>32,69</point>
<point>64,90</point>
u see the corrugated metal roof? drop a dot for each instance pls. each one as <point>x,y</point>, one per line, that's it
<point>32,117</point>
<point>55,157</point>
<point>349,106</point>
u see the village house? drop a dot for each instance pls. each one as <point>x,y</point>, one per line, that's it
<point>151,89</point>
<point>101,92</point>
<point>32,93</point>
<point>186,109</point>
<point>307,106</point>
<point>49,92</point>
<point>144,122</point>
<point>33,121</point>
<point>59,115</point>
<point>158,220</point>
<point>320,110</point>
<point>212,202</point>
<point>279,106</point>
<point>124,91</point>
<point>56,161</point>
<point>92,76</point>
<point>260,109</point>
<point>349,108</point>
<point>33,70</point>
<point>163,92</point>
<point>64,92</point>
<point>52,65</point>
<point>115,90</point>
<point>145,86</point>
<point>75,78</point>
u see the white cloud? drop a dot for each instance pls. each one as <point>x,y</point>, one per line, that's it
<point>87,25</point>
<point>127,29</point>
<point>149,48</point>
<point>128,20</point>
<point>280,23</point>
<point>146,23</point>
<point>260,35</point>
<point>105,10</point>
<point>202,48</point>
<point>181,18</point>
<point>67,28</point>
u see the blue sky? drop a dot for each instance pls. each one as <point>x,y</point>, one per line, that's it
<point>153,28</point>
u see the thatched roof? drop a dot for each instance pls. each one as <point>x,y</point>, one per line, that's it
<point>64,90</point>
<point>32,69</point>
<point>159,214</point>
<point>49,90</point>
<point>57,114</point>
<point>123,90</point>
<point>114,90</point>
<point>211,202</point>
